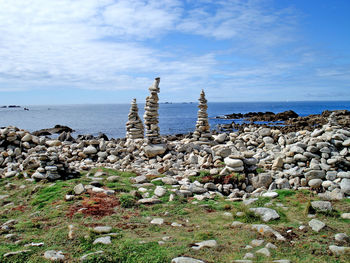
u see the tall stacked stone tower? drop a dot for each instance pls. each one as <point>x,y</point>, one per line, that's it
<point>202,132</point>
<point>151,114</point>
<point>134,126</point>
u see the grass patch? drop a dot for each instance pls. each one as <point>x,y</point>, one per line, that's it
<point>127,200</point>
<point>283,193</point>
<point>49,194</point>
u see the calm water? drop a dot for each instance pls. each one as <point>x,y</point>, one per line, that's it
<point>174,118</point>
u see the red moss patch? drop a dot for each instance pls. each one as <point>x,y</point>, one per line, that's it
<point>21,208</point>
<point>96,205</point>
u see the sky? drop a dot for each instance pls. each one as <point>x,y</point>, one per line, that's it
<point>110,51</point>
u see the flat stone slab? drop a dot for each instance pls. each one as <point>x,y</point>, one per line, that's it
<point>154,150</point>
<point>79,189</point>
<point>9,254</point>
<point>257,242</point>
<point>270,194</point>
<point>54,255</point>
<point>157,221</point>
<point>322,206</point>
<point>102,229</point>
<point>86,257</point>
<point>336,250</point>
<point>316,225</point>
<point>265,230</point>
<point>103,240</point>
<point>203,244</point>
<point>266,214</point>
<point>264,251</point>
<point>149,201</point>
<point>186,260</point>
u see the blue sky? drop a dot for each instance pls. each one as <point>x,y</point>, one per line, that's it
<point>109,51</point>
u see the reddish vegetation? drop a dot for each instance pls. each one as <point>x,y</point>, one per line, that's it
<point>21,208</point>
<point>96,204</point>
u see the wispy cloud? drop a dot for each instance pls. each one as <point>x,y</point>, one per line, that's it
<point>123,44</point>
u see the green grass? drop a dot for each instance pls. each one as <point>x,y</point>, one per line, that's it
<point>127,200</point>
<point>44,219</point>
<point>49,194</point>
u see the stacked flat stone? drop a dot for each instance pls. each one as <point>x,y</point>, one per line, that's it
<point>52,168</point>
<point>151,114</point>
<point>134,126</point>
<point>202,132</point>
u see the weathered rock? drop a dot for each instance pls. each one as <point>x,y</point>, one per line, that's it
<point>264,251</point>
<point>266,214</point>
<point>90,150</point>
<point>322,206</point>
<point>14,253</point>
<point>149,201</point>
<point>233,163</point>
<point>186,260</point>
<point>157,221</point>
<point>160,191</point>
<point>345,215</point>
<point>315,183</point>
<point>270,194</point>
<point>54,255</point>
<point>79,189</point>
<point>342,237</point>
<point>257,242</point>
<point>102,229</point>
<point>154,150</point>
<point>345,186</point>
<point>316,225</point>
<point>86,256</point>
<point>204,244</point>
<point>339,250</point>
<point>262,180</point>
<point>103,240</point>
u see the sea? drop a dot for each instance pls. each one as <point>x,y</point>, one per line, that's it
<point>174,118</point>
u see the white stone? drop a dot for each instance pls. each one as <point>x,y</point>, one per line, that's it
<point>54,255</point>
<point>266,214</point>
<point>157,221</point>
<point>316,225</point>
<point>103,240</point>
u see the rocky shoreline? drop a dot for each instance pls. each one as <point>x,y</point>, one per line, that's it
<point>149,183</point>
<point>236,165</point>
<point>286,122</point>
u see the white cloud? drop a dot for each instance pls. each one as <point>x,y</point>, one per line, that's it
<point>123,44</point>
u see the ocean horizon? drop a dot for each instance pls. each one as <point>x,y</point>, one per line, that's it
<point>174,117</point>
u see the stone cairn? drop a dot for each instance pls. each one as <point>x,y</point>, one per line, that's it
<point>151,114</point>
<point>202,132</point>
<point>134,126</point>
<point>52,168</point>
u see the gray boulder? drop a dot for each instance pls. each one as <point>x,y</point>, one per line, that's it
<point>266,214</point>
<point>262,180</point>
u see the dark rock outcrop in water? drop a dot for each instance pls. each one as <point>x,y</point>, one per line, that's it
<point>58,129</point>
<point>263,116</point>
<point>289,121</point>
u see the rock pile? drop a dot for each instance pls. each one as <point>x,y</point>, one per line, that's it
<point>202,132</point>
<point>21,151</point>
<point>134,126</point>
<point>317,160</point>
<point>52,168</point>
<point>151,114</point>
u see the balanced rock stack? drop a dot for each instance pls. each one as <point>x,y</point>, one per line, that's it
<point>202,132</point>
<point>134,126</point>
<point>151,114</point>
